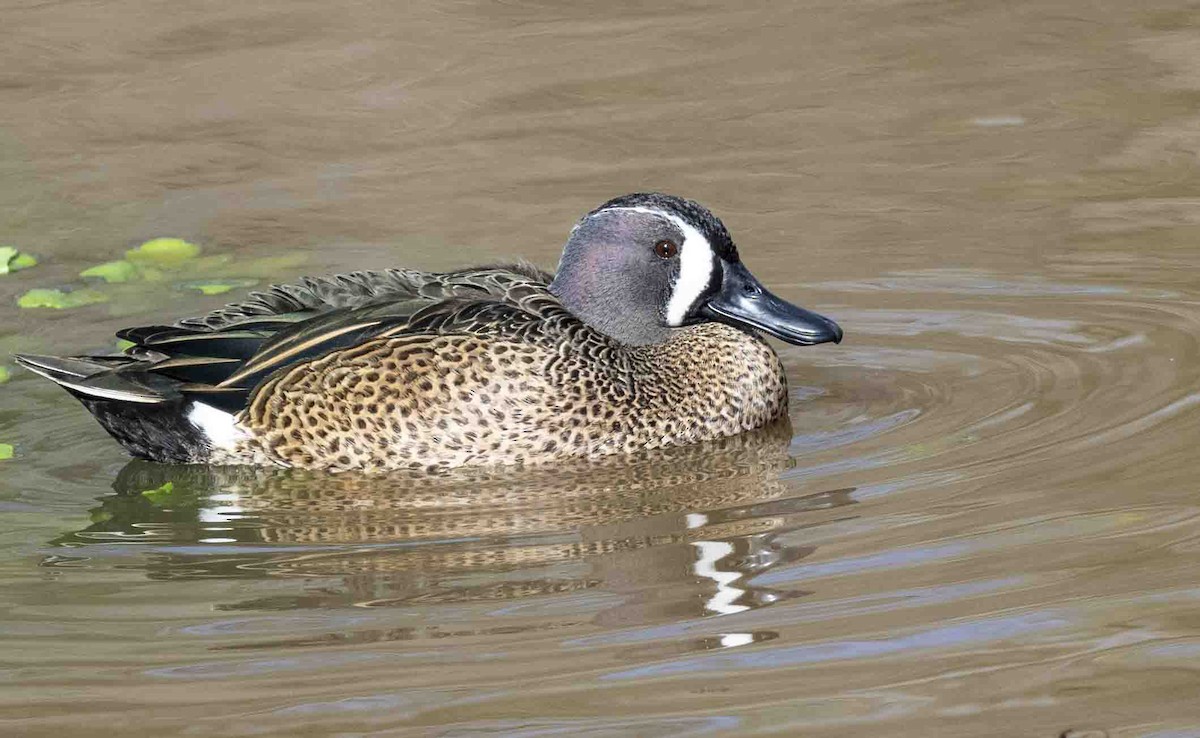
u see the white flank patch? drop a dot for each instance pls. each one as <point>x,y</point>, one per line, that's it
<point>217,426</point>
<point>695,265</point>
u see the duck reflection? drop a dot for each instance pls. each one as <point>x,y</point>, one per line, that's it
<point>665,534</point>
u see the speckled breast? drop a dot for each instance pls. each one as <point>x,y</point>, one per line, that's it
<point>441,401</point>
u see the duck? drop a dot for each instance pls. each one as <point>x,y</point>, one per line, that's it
<point>649,334</point>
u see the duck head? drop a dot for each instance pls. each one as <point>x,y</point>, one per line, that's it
<point>641,265</point>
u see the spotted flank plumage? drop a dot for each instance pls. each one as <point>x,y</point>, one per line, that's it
<point>399,368</point>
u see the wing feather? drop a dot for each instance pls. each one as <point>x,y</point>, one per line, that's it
<point>220,357</point>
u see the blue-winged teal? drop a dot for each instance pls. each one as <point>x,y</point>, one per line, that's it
<point>645,337</point>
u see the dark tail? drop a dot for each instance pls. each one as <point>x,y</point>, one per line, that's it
<point>144,412</point>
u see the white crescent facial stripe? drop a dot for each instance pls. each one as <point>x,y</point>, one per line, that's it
<point>695,264</point>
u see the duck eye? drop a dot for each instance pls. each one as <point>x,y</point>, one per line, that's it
<point>665,249</point>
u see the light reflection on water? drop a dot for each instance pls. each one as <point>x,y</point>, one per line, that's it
<point>976,633</point>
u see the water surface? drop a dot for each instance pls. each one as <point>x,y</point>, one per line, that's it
<point>981,519</point>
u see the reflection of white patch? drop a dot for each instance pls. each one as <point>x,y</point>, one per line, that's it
<point>733,640</point>
<point>695,265</point>
<point>217,426</point>
<point>225,509</point>
<point>723,602</point>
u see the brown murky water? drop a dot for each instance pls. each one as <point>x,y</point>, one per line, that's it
<point>984,519</point>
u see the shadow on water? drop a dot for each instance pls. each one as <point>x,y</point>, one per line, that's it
<point>672,533</point>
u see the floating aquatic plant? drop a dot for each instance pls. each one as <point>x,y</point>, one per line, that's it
<point>122,281</point>
<point>160,495</point>
<point>149,261</point>
<point>164,258</point>
<point>5,374</point>
<point>218,286</point>
<point>6,451</point>
<point>12,260</point>
<point>60,299</point>
<point>113,272</point>
<point>163,252</point>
